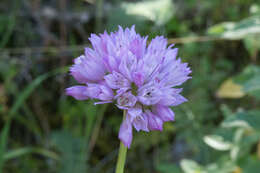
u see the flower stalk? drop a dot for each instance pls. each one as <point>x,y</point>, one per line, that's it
<point>121,155</point>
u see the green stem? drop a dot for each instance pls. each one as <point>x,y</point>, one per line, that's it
<point>121,156</point>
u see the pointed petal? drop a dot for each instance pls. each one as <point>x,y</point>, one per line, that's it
<point>149,94</point>
<point>106,93</point>
<point>134,112</point>
<point>141,123</point>
<point>128,64</point>
<point>88,67</point>
<point>78,92</point>
<point>99,91</point>
<point>172,97</point>
<point>93,91</point>
<point>126,100</point>
<point>154,121</point>
<point>138,78</point>
<point>116,81</point>
<point>98,103</point>
<point>125,133</point>
<point>164,112</point>
<point>174,73</point>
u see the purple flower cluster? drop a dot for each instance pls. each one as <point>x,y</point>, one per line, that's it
<point>139,77</point>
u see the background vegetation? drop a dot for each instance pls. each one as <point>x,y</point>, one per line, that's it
<point>42,130</point>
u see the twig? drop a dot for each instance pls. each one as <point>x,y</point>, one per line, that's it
<point>49,49</point>
<point>182,40</point>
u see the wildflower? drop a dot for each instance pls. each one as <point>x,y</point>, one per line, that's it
<point>139,77</point>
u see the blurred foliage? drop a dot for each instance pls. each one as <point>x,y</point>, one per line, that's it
<point>42,130</point>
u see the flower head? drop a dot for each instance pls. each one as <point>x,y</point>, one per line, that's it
<point>139,77</point>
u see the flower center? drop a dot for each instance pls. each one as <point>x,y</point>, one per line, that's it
<point>134,88</point>
<point>123,100</point>
<point>149,93</point>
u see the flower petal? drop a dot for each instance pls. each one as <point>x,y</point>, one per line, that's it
<point>125,132</point>
<point>154,121</point>
<point>174,73</point>
<point>141,123</point>
<point>99,91</point>
<point>164,112</point>
<point>138,46</point>
<point>149,94</point>
<point>116,80</point>
<point>106,93</point>
<point>171,97</point>
<point>126,100</point>
<point>128,65</point>
<point>88,67</point>
<point>138,78</point>
<point>135,112</point>
<point>78,92</point>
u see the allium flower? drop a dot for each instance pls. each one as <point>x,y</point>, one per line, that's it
<point>138,77</point>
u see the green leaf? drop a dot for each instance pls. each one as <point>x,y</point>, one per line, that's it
<point>222,165</point>
<point>140,14</point>
<point>249,72</point>
<point>13,154</point>
<point>190,166</point>
<point>252,43</point>
<point>221,28</point>
<point>158,11</point>
<point>255,9</point>
<point>247,82</point>
<point>239,30</point>
<point>229,89</point>
<point>250,165</point>
<point>70,148</point>
<point>168,168</point>
<point>125,20</point>
<point>217,142</point>
<point>249,120</point>
<point>253,84</point>
<point>236,123</point>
